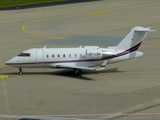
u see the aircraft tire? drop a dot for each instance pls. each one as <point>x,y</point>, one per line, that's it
<point>20,73</point>
<point>78,72</point>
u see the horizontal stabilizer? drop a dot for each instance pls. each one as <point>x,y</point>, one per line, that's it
<point>141,29</point>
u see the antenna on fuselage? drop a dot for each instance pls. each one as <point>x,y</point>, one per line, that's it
<point>80,46</point>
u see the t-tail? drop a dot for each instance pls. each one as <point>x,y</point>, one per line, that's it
<point>134,38</point>
<point>130,44</point>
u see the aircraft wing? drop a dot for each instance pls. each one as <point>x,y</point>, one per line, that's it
<point>101,67</point>
<point>76,67</point>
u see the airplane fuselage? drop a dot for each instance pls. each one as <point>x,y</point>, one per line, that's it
<point>89,56</point>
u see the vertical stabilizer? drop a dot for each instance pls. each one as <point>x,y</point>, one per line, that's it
<point>134,38</point>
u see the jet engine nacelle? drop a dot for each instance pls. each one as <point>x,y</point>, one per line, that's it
<point>106,54</point>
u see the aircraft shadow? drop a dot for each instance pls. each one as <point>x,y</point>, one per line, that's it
<point>69,73</point>
<point>29,119</point>
<point>66,73</point>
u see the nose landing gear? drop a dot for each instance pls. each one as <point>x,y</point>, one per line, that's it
<point>20,71</point>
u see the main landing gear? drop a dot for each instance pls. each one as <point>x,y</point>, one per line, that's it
<point>77,72</point>
<point>20,71</point>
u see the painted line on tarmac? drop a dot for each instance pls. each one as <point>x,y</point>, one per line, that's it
<point>135,110</point>
<point>38,34</point>
<point>65,117</point>
<point>98,13</point>
<point>132,72</point>
<point>85,14</point>
<point>4,76</point>
<point>102,12</point>
<point>5,93</point>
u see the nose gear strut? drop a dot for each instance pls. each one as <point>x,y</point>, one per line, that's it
<point>20,71</point>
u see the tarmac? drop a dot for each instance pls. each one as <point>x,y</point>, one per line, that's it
<point>128,90</point>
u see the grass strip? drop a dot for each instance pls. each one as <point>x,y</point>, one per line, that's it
<point>12,3</point>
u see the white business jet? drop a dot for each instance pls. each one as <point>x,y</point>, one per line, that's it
<point>91,58</point>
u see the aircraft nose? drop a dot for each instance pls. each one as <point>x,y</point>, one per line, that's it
<point>8,62</point>
<point>13,62</point>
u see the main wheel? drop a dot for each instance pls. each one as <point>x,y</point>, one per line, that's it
<point>78,72</point>
<point>20,73</point>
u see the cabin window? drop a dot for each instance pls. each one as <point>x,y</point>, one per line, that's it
<point>63,55</point>
<point>80,55</point>
<point>75,55</point>
<point>69,55</point>
<point>24,55</point>
<point>47,56</point>
<point>52,55</point>
<point>58,55</point>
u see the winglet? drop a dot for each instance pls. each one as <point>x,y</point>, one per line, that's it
<point>80,46</point>
<point>103,66</point>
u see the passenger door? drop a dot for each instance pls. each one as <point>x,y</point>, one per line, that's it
<point>39,52</point>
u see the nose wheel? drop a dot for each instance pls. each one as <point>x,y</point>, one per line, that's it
<point>20,71</point>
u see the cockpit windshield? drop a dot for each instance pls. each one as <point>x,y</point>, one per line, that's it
<point>24,55</point>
